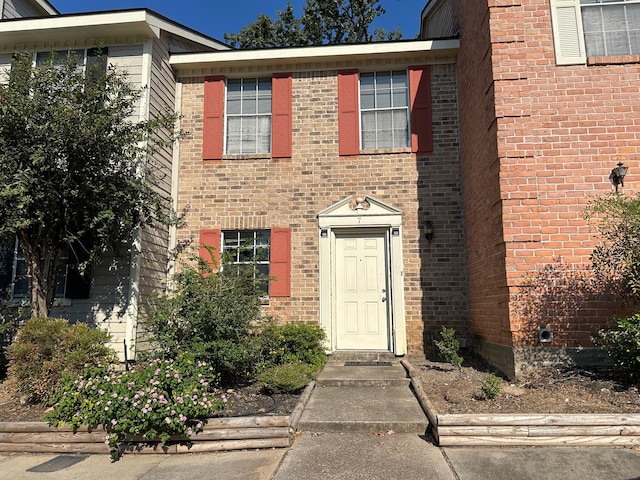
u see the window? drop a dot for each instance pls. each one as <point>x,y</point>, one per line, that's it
<point>92,60</point>
<point>13,276</point>
<point>586,28</point>
<point>384,110</point>
<point>611,27</point>
<point>243,249</point>
<point>248,116</point>
<point>269,249</point>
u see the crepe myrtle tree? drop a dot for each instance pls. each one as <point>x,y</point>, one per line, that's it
<point>76,166</point>
<point>322,22</point>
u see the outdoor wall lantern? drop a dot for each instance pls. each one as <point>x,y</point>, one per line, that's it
<point>618,174</point>
<point>428,230</point>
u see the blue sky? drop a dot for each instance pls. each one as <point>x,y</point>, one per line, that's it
<point>215,17</point>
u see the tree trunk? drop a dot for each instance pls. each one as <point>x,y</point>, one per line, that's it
<point>41,274</point>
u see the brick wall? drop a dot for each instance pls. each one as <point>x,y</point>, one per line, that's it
<point>254,192</point>
<point>533,164</point>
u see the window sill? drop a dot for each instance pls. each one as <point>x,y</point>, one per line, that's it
<point>248,156</point>
<point>613,60</point>
<point>386,151</point>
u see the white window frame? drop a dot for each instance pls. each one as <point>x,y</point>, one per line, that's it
<point>568,31</point>
<point>239,247</point>
<point>257,115</point>
<point>392,107</point>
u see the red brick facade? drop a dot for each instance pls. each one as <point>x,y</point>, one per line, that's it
<point>538,142</point>
<point>262,192</point>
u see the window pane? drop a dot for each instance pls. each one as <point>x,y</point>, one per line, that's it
<point>366,82</point>
<point>383,124</point>
<point>400,128</point>
<point>234,106</point>
<point>383,98</point>
<point>234,131</point>
<point>263,137</point>
<point>249,130</point>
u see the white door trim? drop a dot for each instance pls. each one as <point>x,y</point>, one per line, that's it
<point>352,214</point>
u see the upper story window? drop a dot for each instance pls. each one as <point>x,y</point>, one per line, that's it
<point>594,28</point>
<point>611,27</point>
<point>248,116</point>
<point>88,59</point>
<point>384,110</point>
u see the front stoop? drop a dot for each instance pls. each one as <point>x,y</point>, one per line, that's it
<point>363,399</point>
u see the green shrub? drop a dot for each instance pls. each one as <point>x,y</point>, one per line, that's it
<point>291,343</point>
<point>491,387</point>
<point>622,343</point>
<point>448,347</point>
<point>155,400</point>
<point>287,378</point>
<point>211,314</point>
<point>47,347</point>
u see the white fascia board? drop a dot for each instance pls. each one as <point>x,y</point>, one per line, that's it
<point>185,33</point>
<point>96,25</point>
<point>315,54</point>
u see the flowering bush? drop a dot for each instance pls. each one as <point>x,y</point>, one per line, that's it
<point>156,400</point>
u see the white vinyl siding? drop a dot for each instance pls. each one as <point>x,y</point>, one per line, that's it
<point>21,9</point>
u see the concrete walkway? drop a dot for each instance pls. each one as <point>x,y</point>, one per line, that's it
<point>347,432</point>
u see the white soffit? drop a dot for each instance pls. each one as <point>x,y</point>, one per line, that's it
<point>316,54</point>
<point>101,25</point>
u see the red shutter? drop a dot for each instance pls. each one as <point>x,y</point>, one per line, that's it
<point>281,126</point>
<point>421,128</point>
<point>280,262</point>
<point>348,121</point>
<point>210,238</point>
<point>213,121</point>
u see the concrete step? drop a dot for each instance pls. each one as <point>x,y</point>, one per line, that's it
<point>342,357</point>
<point>363,376</point>
<point>363,410</point>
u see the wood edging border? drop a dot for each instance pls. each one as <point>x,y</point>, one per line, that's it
<point>526,429</point>
<point>219,434</point>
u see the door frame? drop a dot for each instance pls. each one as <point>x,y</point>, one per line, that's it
<point>349,216</point>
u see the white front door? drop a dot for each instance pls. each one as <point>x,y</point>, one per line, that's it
<point>362,321</point>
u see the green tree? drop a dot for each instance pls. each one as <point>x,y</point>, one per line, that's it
<point>75,166</point>
<point>616,217</point>
<point>322,22</point>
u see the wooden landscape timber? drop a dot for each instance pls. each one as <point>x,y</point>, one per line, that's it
<point>526,429</point>
<point>219,434</point>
